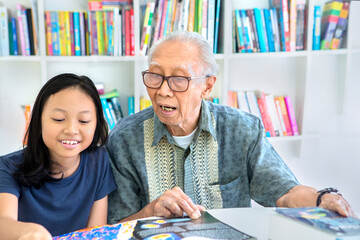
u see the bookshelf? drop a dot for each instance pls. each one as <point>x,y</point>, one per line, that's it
<point>319,82</point>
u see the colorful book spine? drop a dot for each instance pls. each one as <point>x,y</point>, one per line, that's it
<point>107,113</point>
<point>217,23</point>
<point>26,32</point>
<point>211,22</point>
<point>292,24</point>
<point>67,33</point>
<point>15,37</point>
<point>245,32</point>
<point>239,31</point>
<point>259,29</point>
<point>48,32</point>
<point>269,30</point>
<point>148,29</point>
<point>132,32</point>
<point>62,34</point>
<point>329,21</point>
<point>280,116</point>
<point>341,26</point>
<point>265,118</point>
<point>275,28</point>
<point>82,34</point>
<point>242,101</point>
<point>191,20</point>
<point>30,25</point>
<point>100,32</point>
<point>4,32</point>
<point>204,19</point>
<point>131,106</point>
<point>19,7</point>
<point>145,24</point>
<point>273,115</point>
<point>285,115</point>
<point>300,24</point>
<point>316,28</point>
<point>127,33</point>
<point>291,113</point>
<point>77,35</point>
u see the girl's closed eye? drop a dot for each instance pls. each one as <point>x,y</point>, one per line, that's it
<point>84,122</point>
<point>58,119</point>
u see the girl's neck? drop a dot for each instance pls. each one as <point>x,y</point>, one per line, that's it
<point>65,167</point>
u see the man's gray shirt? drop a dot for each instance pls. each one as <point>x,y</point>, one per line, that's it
<point>228,162</point>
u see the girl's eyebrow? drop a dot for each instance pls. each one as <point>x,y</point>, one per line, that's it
<point>62,110</point>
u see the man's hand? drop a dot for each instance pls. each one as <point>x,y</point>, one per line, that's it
<point>304,196</point>
<point>173,203</point>
<point>337,203</point>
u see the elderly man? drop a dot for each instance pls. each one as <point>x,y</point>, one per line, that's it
<point>184,154</point>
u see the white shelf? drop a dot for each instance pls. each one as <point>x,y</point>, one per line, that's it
<point>299,74</point>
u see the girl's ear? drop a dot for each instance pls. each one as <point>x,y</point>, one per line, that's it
<point>209,84</point>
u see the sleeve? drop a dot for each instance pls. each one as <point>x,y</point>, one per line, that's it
<point>270,177</point>
<point>128,198</point>
<point>106,178</point>
<point>8,183</point>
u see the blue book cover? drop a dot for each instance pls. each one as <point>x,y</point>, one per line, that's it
<point>131,105</point>
<point>107,113</point>
<point>239,36</point>
<point>281,30</point>
<point>117,107</point>
<point>269,30</point>
<point>245,31</point>
<point>316,28</point>
<point>14,37</point>
<point>76,17</point>
<point>259,29</point>
<point>324,219</point>
<point>217,20</point>
<point>55,33</point>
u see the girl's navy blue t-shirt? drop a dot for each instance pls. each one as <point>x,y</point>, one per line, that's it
<point>63,206</point>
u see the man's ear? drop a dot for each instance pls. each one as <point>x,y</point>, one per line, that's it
<point>209,84</point>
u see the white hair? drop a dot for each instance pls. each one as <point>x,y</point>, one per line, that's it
<point>206,55</point>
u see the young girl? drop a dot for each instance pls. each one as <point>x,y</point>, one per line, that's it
<point>59,182</point>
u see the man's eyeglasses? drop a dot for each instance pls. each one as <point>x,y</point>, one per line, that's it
<point>176,83</point>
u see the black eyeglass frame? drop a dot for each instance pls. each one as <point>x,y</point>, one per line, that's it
<point>167,77</point>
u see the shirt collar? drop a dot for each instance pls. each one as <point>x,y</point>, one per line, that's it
<point>205,123</point>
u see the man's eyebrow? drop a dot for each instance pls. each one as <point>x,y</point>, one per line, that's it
<point>176,67</point>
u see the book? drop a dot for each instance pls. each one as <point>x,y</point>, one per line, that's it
<point>217,23</point>
<point>282,6</point>
<point>293,24</point>
<point>242,101</point>
<point>341,27</point>
<point>316,28</point>
<point>313,223</point>
<point>273,115</point>
<point>269,30</point>
<point>21,31</point>
<point>285,115</point>
<point>29,20</point>
<point>14,37</point>
<point>107,113</point>
<point>131,105</point>
<point>4,32</point>
<point>259,29</point>
<point>291,114</point>
<point>329,21</point>
<point>261,100</point>
<point>205,227</point>
<point>300,24</point>
<point>253,105</point>
<point>280,116</point>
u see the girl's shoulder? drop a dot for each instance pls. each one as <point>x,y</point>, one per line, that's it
<point>12,160</point>
<point>97,156</point>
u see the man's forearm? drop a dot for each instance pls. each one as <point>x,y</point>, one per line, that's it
<point>299,196</point>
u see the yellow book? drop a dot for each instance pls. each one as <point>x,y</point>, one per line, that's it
<point>67,33</point>
<point>100,32</point>
<point>62,36</point>
<point>191,16</point>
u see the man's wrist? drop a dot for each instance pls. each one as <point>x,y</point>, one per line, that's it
<point>325,191</point>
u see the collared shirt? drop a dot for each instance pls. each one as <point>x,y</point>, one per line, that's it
<point>227,164</point>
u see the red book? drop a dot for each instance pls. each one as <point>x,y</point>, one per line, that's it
<point>265,114</point>
<point>127,33</point>
<point>132,33</point>
<point>285,116</point>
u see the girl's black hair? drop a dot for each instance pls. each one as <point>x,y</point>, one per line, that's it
<point>35,169</point>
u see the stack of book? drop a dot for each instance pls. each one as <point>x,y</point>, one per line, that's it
<point>111,107</point>
<point>332,26</point>
<point>164,16</point>
<point>19,34</point>
<point>276,113</point>
<point>106,29</point>
<point>280,28</point>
